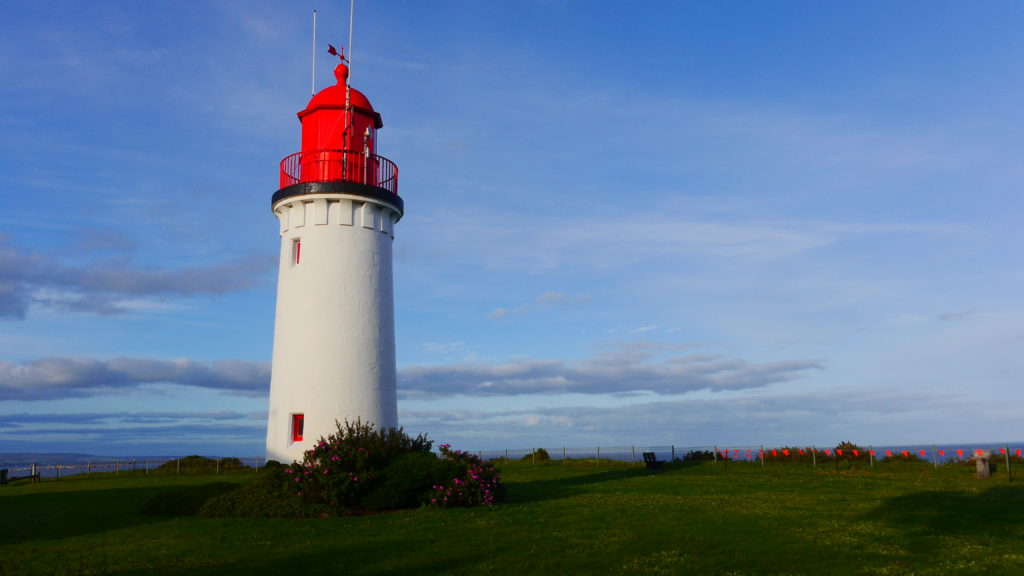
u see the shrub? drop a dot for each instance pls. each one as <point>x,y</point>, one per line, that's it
<point>698,456</point>
<point>851,451</point>
<point>199,465</point>
<point>359,468</point>
<point>538,455</point>
<point>408,481</point>
<point>381,446</point>
<point>268,494</point>
<point>902,456</point>
<point>475,484</point>
<point>333,474</point>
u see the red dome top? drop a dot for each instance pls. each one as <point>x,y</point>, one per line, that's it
<point>333,97</point>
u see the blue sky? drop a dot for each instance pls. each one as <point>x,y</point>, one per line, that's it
<point>654,223</point>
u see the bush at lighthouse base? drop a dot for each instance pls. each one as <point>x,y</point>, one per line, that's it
<point>359,469</point>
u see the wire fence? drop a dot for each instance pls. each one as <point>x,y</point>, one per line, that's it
<point>1006,454</point>
<point>937,455</point>
<point>131,467</point>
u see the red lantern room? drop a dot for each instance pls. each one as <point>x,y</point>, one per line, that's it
<point>327,126</point>
<point>339,146</point>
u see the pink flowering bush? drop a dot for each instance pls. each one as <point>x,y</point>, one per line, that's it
<point>474,483</point>
<point>334,473</point>
<point>361,469</point>
<point>342,469</point>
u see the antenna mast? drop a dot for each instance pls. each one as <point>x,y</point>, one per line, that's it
<point>348,80</point>
<point>312,87</point>
<point>351,19</point>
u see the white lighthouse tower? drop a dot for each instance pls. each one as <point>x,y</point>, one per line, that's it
<point>334,330</point>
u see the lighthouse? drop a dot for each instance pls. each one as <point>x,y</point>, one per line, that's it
<point>334,328</point>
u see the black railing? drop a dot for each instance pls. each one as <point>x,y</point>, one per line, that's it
<point>339,166</point>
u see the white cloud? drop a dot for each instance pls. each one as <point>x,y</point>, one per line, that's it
<point>54,378</point>
<point>112,287</point>
<point>620,369</point>
<point>545,301</point>
<point>443,347</point>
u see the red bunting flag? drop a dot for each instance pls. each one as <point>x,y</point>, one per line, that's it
<point>888,453</point>
<point>1018,452</point>
<point>977,452</point>
<point>1002,451</point>
<point>872,452</point>
<point>828,452</point>
<point>840,452</point>
<point>942,453</point>
<point>959,453</point>
<point>921,452</point>
<point>802,452</point>
<point>906,454</point>
<point>856,454</point>
<point>786,453</point>
<point>774,454</point>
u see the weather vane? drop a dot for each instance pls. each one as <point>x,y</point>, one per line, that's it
<point>334,52</point>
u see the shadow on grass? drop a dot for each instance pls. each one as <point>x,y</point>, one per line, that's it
<point>538,490</point>
<point>379,558</point>
<point>186,501</point>
<point>58,515</point>
<point>926,517</point>
<point>367,559</point>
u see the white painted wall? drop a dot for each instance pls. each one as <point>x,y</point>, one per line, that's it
<point>334,330</point>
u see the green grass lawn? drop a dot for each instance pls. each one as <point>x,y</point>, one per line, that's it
<point>733,518</point>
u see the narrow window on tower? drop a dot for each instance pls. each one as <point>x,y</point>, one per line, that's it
<point>298,420</point>
<point>296,251</point>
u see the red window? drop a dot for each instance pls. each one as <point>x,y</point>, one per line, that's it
<point>296,250</point>
<point>297,424</point>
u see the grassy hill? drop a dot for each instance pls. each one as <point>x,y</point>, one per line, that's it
<point>734,518</point>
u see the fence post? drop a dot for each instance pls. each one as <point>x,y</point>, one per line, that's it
<point>533,456</point>
<point>564,462</point>
<point>762,455</point>
<point>58,471</point>
<point>715,455</point>
<point>935,461</point>
<point>88,469</point>
<point>117,469</point>
<point>1009,471</point>
<point>598,461</point>
<point>177,462</point>
<point>871,456</point>
<point>673,452</point>
<point>217,469</point>
<point>632,459</point>
<point>506,453</point>
<point>814,457</point>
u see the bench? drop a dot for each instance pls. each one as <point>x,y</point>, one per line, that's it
<point>651,461</point>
